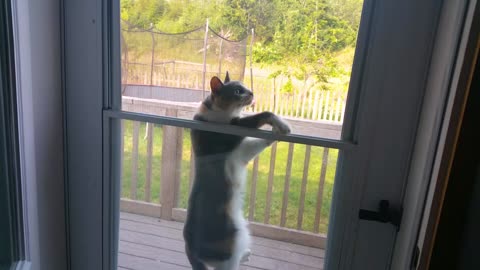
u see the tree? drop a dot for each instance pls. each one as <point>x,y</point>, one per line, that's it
<point>142,13</point>
<point>242,15</point>
<point>300,37</point>
<point>347,10</point>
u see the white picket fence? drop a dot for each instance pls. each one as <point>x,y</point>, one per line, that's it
<point>315,105</point>
<point>312,105</point>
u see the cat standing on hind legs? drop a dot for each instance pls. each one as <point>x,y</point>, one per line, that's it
<point>215,231</point>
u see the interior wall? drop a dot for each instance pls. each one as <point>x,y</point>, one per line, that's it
<point>39,77</point>
<point>468,258</point>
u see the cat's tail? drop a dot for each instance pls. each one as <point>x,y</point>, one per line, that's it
<point>194,261</point>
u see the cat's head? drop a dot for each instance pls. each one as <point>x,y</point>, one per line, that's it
<point>229,95</point>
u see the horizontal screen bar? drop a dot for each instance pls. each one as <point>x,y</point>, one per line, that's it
<point>229,129</point>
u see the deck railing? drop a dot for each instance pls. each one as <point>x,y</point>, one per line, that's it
<point>157,177</point>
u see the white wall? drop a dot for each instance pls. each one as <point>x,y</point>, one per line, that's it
<point>40,86</point>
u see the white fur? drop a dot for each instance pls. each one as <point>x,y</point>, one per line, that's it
<point>220,116</point>
<point>236,171</point>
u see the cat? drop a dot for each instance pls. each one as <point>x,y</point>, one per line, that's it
<point>215,231</point>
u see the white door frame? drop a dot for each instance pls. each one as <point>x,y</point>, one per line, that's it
<point>389,76</point>
<point>454,48</point>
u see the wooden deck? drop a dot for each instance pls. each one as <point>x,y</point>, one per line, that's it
<point>148,243</point>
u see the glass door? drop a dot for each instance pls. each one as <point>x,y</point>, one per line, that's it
<point>298,67</point>
<point>350,89</point>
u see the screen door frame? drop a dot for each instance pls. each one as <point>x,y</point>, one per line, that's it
<point>391,65</point>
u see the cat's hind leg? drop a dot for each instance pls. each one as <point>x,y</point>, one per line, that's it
<point>194,261</point>
<point>241,251</point>
<point>231,264</point>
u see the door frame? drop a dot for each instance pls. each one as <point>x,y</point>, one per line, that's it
<point>14,245</point>
<point>448,53</point>
<point>91,72</point>
<point>464,69</point>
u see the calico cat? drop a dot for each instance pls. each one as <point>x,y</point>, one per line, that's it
<point>215,231</point>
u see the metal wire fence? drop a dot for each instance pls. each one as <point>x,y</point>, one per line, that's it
<point>159,64</point>
<point>186,59</point>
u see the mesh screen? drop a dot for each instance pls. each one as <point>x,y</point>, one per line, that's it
<point>152,57</point>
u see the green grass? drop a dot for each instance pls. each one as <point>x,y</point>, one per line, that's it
<point>262,182</point>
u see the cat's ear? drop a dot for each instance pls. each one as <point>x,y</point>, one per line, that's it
<point>215,84</point>
<point>227,78</point>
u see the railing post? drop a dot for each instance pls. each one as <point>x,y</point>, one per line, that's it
<point>271,175</point>
<point>306,166</point>
<point>133,183</point>
<point>253,190</point>
<point>148,175</point>
<point>286,187</point>
<point>171,167</point>
<point>321,187</point>
<point>122,152</point>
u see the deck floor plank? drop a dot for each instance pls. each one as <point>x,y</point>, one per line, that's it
<point>315,252</point>
<point>150,243</point>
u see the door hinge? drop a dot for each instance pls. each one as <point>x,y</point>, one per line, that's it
<point>385,214</point>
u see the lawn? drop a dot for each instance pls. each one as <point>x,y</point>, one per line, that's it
<point>262,182</point>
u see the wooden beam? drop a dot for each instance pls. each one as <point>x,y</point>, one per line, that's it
<point>306,165</point>
<point>171,147</point>
<point>321,186</point>
<point>141,208</point>
<point>253,190</point>
<point>148,175</point>
<point>286,188</point>
<point>271,175</point>
<point>133,183</point>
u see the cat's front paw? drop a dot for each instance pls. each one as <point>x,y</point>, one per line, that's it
<point>281,127</point>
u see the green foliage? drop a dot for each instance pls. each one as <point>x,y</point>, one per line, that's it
<point>142,13</point>
<point>288,87</point>
<point>240,16</point>
<point>347,10</point>
<point>328,68</point>
<point>302,37</point>
<point>265,54</point>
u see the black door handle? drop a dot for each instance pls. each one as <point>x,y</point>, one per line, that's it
<point>385,214</point>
